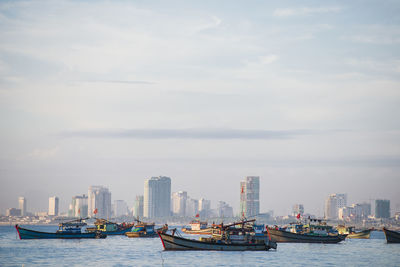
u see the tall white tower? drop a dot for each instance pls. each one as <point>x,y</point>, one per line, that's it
<point>157,197</point>
<point>53,206</point>
<point>250,196</point>
<point>99,202</point>
<point>22,205</point>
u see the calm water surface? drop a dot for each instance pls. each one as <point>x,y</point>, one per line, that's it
<point>123,251</point>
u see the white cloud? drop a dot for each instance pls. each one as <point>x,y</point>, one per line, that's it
<point>304,11</point>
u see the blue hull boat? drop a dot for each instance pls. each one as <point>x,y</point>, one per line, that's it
<point>31,234</point>
<point>120,232</point>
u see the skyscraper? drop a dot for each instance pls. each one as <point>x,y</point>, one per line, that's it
<point>22,205</point>
<point>332,205</point>
<point>224,210</point>
<point>99,202</point>
<point>79,206</point>
<point>179,203</point>
<point>139,206</point>
<point>250,196</point>
<point>192,207</point>
<point>120,208</point>
<point>382,208</point>
<point>204,207</point>
<point>53,206</point>
<point>157,197</point>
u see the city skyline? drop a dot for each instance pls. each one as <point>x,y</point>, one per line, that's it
<point>182,205</point>
<point>304,95</point>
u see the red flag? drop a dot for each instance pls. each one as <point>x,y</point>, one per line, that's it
<point>95,211</point>
<point>242,189</point>
<point>197,215</point>
<point>298,216</point>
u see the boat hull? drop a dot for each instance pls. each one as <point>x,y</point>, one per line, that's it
<point>31,234</point>
<point>140,234</point>
<point>171,242</point>
<point>360,235</point>
<point>280,236</point>
<point>391,236</point>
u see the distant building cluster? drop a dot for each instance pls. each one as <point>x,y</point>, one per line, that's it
<point>158,202</point>
<point>336,208</point>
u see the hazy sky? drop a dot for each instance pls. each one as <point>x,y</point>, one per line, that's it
<point>304,94</point>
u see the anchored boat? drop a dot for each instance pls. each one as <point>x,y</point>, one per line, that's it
<point>278,235</point>
<point>229,239</point>
<point>68,230</point>
<point>143,229</point>
<point>316,231</point>
<point>110,228</point>
<point>391,236</point>
<point>351,233</point>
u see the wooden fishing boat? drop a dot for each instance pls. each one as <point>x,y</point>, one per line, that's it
<point>365,234</point>
<point>391,236</point>
<point>351,233</point>
<point>227,238</point>
<point>66,231</point>
<point>279,235</point>
<point>110,228</point>
<point>143,229</point>
<point>171,242</point>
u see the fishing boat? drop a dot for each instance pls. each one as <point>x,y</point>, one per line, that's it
<point>197,227</point>
<point>364,234</point>
<point>144,229</point>
<point>110,228</point>
<point>391,236</point>
<point>68,230</point>
<point>229,239</point>
<point>351,233</point>
<point>316,231</point>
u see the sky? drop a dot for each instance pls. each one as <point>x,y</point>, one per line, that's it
<point>304,94</point>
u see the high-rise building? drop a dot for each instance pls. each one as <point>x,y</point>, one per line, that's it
<point>138,209</point>
<point>333,203</point>
<point>331,210</point>
<point>22,205</point>
<point>382,208</point>
<point>79,207</point>
<point>341,200</point>
<point>204,207</point>
<point>120,208</point>
<point>157,197</point>
<point>99,202</point>
<point>179,203</point>
<point>250,196</point>
<point>298,209</point>
<point>192,207</point>
<point>224,210</point>
<point>53,206</point>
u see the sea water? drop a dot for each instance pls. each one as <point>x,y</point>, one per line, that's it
<point>124,251</point>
